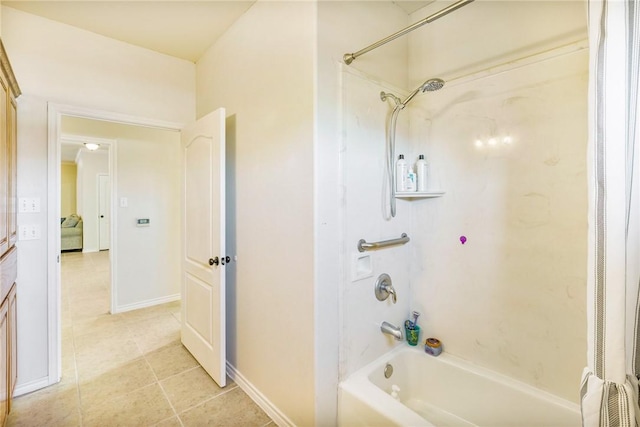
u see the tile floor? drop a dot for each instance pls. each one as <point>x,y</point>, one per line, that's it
<point>127,369</point>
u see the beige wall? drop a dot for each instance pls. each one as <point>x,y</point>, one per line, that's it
<point>66,65</point>
<point>89,70</point>
<point>147,173</point>
<point>262,72</point>
<point>68,174</point>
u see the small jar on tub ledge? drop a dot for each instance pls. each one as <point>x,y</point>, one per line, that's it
<point>433,346</point>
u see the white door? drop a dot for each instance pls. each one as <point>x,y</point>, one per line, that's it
<point>103,212</point>
<point>204,258</point>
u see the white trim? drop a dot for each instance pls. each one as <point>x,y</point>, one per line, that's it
<point>54,332</point>
<point>81,139</point>
<point>89,113</point>
<point>31,386</point>
<point>260,399</point>
<point>54,113</point>
<point>147,303</point>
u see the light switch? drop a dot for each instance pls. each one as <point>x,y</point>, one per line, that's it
<point>29,232</point>
<point>124,202</point>
<point>29,205</point>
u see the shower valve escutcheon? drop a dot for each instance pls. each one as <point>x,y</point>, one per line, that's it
<point>384,288</point>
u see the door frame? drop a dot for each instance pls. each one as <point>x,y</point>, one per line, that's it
<point>55,112</point>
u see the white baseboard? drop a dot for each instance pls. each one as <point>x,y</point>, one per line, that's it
<point>260,399</point>
<point>31,386</point>
<point>147,303</point>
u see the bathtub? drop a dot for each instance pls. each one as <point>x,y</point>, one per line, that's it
<point>446,391</point>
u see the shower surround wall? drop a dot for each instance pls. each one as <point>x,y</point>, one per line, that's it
<point>513,297</point>
<point>364,156</point>
<point>349,166</point>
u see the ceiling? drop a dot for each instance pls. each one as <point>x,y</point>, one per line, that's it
<point>183,29</point>
<point>69,150</point>
<point>411,6</point>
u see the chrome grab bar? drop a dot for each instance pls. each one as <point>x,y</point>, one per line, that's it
<point>364,246</point>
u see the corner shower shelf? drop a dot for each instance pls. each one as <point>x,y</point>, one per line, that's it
<point>420,195</point>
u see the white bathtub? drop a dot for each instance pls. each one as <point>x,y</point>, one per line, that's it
<point>446,391</point>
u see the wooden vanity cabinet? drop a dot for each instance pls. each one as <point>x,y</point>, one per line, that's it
<point>9,92</point>
<point>4,373</point>
<point>13,340</point>
<point>12,158</point>
<point>8,330</point>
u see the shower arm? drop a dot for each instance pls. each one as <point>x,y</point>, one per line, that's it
<point>349,57</point>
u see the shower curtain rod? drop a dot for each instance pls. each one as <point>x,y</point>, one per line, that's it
<point>349,57</point>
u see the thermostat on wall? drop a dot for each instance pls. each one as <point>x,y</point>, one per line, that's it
<point>142,222</point>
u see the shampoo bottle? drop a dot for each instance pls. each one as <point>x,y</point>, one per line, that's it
<point>402,172</point>
<point>422,170</point>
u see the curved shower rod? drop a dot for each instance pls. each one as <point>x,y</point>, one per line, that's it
<point>349,57</point>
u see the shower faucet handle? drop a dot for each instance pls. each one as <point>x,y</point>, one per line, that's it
<point>384,288</point>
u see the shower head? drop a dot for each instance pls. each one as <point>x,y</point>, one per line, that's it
<point>430,85</point>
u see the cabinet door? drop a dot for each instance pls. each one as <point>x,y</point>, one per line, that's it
<point>12,146</point>
<point>13,341</point>
<point>4,380</point>
<point>4,167</point>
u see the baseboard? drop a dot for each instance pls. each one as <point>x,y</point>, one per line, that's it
<point>260,399</point>
<point>31,386</point>
<point>147,303</point>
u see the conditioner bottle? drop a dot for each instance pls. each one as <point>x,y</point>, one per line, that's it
<point>422,170</point>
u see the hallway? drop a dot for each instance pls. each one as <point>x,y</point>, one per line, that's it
<point>128,369</point>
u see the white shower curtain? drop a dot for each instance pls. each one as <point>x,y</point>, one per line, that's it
<point>609,392</point>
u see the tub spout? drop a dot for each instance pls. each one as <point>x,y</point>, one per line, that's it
<point>389,329</point>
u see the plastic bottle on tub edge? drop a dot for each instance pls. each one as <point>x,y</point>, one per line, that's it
<point>402,172</point>
<point>422,169</point>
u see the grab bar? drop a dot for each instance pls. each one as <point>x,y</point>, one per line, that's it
<point>364,246</point>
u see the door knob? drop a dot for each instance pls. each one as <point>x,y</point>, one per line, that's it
<point>213,261</point>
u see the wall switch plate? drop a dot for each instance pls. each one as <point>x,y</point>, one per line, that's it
<point>124,202</point>
<point>29,232</point>
<point>29,205</point>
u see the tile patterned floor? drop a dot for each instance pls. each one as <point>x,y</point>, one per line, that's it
<point>127,369</point>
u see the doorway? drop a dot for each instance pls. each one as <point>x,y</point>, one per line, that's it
<point>57,114</point>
